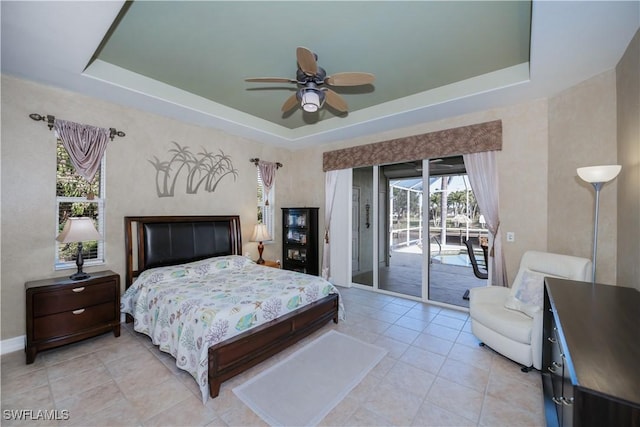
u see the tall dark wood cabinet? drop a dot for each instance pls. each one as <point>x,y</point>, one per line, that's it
<point>591,354</point>
<point>300,240</point>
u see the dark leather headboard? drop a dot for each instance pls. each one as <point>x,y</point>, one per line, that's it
<point>156,241</point>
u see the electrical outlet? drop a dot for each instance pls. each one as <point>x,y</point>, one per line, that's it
<point>511,236</point>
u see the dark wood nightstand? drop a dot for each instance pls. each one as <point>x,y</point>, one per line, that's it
<point>61,311</point>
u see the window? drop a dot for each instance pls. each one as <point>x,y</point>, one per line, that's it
<point>265,210</point>
<point>76,197</point>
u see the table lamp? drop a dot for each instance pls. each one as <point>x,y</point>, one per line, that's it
<point>78,229</point>
<point>260,234</point>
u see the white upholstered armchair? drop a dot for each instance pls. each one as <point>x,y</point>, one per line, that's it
<point>509,320</point>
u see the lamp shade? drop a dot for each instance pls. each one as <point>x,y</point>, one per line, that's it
<point>310,101</point>
<point>78,229</point>
<point>260,233</point>
<point>604,173</point>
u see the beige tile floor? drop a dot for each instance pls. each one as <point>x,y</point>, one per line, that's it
<point>434,374</point>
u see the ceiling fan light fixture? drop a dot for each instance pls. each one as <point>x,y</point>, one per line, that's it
<point>311,78</point>
<point>310,101</point>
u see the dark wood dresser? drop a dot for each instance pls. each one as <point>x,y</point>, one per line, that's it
<point>591,354</point>
<point>61,311</point>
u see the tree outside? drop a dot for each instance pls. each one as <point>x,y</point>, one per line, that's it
<point>76,197</point>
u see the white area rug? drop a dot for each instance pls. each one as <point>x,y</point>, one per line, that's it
<point>303,388</point>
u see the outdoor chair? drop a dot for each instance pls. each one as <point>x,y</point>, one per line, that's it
<point>509,320</point>
<point>477,271</point>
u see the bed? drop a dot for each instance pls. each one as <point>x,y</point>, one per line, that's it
<point>176,266</point>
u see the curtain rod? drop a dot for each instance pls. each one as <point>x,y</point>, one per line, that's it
<point>257,160</point>
<point>113,132</point>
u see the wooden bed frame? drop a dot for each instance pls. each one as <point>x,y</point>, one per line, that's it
<point>155,241</point>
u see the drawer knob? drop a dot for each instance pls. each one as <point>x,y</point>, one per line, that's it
<point>80,311</point>
<point>78,289</point>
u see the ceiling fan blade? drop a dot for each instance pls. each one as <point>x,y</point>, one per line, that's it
<point>350,79</point>
<point>335,101</point>
<point>290,103</point>
<point>307,61</point>
<point>269,80</point>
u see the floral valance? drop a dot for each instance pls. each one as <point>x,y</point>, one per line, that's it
<point>449,142</point>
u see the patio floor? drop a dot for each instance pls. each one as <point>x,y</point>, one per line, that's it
<point>450,276</point>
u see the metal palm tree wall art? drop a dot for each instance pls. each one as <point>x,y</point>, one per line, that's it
<point>203,170</point>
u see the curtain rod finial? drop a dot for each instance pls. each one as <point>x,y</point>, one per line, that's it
<point>48,118</point>
<point>113,132</point>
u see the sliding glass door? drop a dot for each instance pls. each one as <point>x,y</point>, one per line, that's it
<point>362,229</point>
<point>453,220</point>
<point>387,230</point>
<point>409,225</point>
<point>402,271</point>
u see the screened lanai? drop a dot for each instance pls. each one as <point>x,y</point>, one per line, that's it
<point>453,217</point>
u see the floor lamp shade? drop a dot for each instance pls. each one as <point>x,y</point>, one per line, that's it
<point>78,229</point>
<point>260,234</point>
<point>594,174</point>
<point>597,176</point>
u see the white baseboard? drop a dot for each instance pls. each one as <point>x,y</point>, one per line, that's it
<point>12,344</point>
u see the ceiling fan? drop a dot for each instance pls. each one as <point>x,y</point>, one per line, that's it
<point>311,78</point>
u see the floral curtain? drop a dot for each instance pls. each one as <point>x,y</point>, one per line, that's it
<point>85,144</point>
<point>268,176</point>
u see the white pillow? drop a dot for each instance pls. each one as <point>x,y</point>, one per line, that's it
<point>195,268</point>
<point>527,296</point>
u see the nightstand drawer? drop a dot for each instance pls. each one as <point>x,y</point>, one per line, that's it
<point>71,298</point>
<point>70,322</point>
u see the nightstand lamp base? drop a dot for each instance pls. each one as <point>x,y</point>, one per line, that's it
<point>80,275</point>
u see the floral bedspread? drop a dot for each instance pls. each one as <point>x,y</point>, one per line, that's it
<point>185,309</point>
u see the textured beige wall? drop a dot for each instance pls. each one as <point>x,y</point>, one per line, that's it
<point>28,182</point>
<point>522,167</point>
<point>582,132</point>
<point>628,107</point>
<point>536,172</point>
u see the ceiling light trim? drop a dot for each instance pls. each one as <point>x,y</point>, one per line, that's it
<point>145,86</point>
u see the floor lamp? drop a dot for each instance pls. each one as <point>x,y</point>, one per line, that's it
<point>597,176</point>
